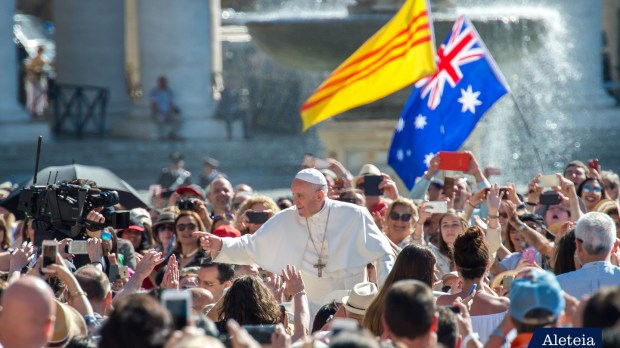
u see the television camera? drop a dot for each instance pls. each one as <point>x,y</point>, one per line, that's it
<point>63,207</point>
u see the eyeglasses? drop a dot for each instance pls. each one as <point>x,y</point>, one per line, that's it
<point>404,217</point>
<point>182,227</point>
<point>588,188</point>
<point>503,215</point>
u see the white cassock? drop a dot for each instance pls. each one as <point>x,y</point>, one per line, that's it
<point>353,240</point>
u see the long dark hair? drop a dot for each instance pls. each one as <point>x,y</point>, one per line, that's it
<point>413,262</point>
<point>563,254</point>
<point>250,302</point>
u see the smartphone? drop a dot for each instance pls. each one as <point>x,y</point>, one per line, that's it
<point>371,185</point>
<point>436,207</point>
<point>457,161</point>
<point>548,180</point>
<point>471,291</point>
<point>179,304</point>
<point>308,161</point>
<point>261,333</point>
<point>454,309</point>
<point>529,255</point>
<point>123,272</point>
<point>77,247</point>
<point>507,282</point>
<point>320,163</point>
<point>114,273</point>
<point>50,248</point>
<point>257,217</point>
<point>448,186</point>
<point>348,200</point>
<point>593,163</point>
<point>344,324</point>
<point>550,198</point>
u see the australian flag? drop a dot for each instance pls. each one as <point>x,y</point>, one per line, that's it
<point>443,109</point>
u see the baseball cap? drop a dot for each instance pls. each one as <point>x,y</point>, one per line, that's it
<point>192,189</point>
<point>226,231</point>
<point>538,289</point>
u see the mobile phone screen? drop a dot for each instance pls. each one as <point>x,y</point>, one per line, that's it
<point>257,217</point>
<point>49,254</point>
<point>371,185</point>
<point>261,333</point>
<point>178,309</point>
<point>113,274</point>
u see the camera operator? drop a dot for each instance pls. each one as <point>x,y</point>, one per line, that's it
<point>102,245</point>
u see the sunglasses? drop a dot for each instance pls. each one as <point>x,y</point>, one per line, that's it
<point>229,216</point>
<point>588,188</point>
<point>403,217</point>
<point>182,227</point>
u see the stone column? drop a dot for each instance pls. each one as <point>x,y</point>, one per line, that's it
<point>90,38</point>
<point>176,40</point>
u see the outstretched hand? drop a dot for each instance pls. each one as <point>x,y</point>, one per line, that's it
<point>209,242</point>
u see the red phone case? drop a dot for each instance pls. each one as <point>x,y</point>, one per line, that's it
<point>458,161</point>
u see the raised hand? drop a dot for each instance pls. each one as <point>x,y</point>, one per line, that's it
<point>171,275</point>
<point>293,280</point>
<point>149,261</point>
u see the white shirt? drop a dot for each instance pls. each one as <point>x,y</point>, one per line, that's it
<point>353,240</point>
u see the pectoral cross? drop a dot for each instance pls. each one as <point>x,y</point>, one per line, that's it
<point>319,266</point>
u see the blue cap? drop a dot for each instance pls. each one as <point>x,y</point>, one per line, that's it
<point>538,289</point>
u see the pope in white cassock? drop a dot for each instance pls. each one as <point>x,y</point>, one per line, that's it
<point>331,242</point>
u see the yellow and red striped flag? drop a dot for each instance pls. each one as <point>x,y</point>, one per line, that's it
<point>400,53</point>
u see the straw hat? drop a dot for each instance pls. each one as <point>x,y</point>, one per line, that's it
<point>360,297</point>
<point>69,323</point>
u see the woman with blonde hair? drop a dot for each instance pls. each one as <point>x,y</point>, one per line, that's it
<point>254,212</point>
<point>401,219</point>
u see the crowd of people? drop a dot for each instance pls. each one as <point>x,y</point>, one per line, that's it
<point>345,260</point>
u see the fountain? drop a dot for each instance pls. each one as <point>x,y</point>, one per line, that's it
<point>548,50</point>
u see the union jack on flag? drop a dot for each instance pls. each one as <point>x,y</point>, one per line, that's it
<point>444,108</point>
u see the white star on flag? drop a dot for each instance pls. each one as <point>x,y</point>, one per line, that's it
<point>408,153</point>
<point>469,99</point>
<point>400,155</point>
<point>427,159</point>
<point>400,125</point>
<point>420,121</point>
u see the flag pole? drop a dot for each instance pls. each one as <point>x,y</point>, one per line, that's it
<point>529,133</point>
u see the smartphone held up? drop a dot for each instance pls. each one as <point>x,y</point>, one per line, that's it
<point>50,248</point>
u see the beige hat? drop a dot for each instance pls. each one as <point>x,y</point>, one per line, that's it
<point>69,322</point>
<point>335,295</point>
<point>367,170</point>
<point>360,297</point>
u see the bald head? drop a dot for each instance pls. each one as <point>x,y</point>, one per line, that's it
<point>28,313</point>
<point>220,194</point>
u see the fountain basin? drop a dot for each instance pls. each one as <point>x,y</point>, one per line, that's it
<point>320,43</point>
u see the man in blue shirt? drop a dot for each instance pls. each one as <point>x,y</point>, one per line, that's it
<point>595,237</point>
<point>164,110</point>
